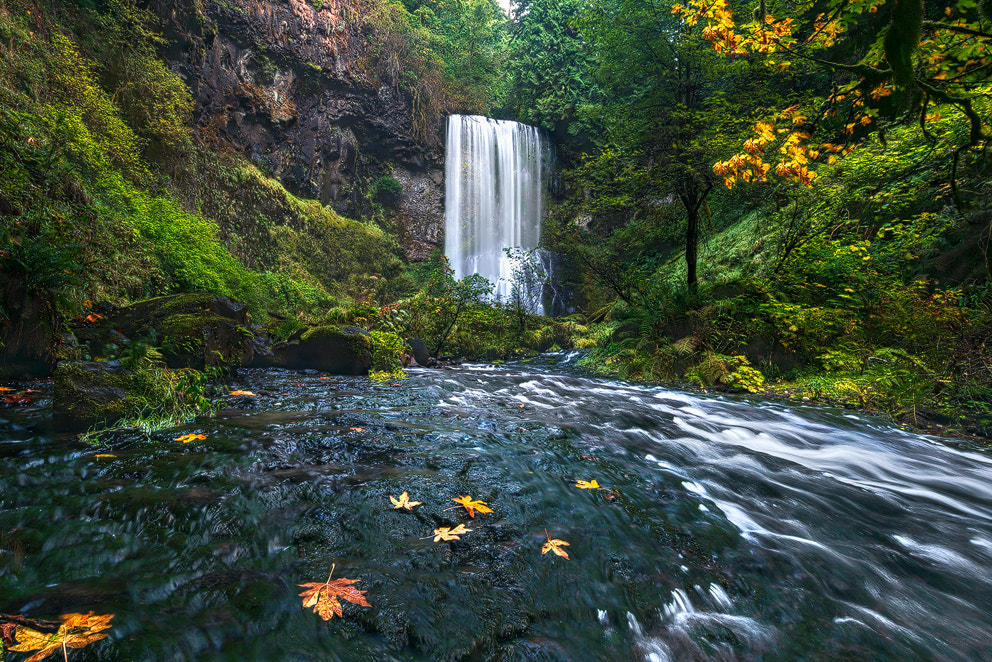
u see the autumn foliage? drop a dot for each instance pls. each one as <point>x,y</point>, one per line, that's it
<point>912,64</point>
<point>323,597</point>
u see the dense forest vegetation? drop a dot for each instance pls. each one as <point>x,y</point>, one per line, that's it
<point>782,197</point>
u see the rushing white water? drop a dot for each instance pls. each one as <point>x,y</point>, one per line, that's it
<point>494,197</point>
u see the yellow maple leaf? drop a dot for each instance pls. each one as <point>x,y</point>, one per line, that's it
<point>447,533</point>
<point>472,506</point>
<point>404,502</point>
<point>104,455</point>
<point>555,546</point>
<point>76,631</point>
<point>588,484</point>
<point>186,438</point>
<point>323,597</point>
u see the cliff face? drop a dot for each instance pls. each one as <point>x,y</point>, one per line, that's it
<point>293,86</point>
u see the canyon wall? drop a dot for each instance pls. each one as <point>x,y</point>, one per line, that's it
<point>296,87</point>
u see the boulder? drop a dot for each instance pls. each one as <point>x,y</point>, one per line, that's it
<point>194,330</point>
<point>88,393</point>
<point>419,350</point>
<point>341,351</point>
<point>191,340</point>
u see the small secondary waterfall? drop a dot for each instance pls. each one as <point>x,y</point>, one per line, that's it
<point>494,198</point>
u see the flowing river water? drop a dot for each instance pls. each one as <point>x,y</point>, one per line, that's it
<point>726,529</point>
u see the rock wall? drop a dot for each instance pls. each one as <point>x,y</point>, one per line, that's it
<point>293,86</point>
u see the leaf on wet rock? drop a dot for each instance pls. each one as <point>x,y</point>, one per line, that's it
<point>186,438</point>
<point>7,633</point>
<point>242,393</point>
<point>323,597</point>
<point>76,631</point>
<point>357,429</point>
<point>555,546</point>
<point>448,533</point>
<point>472,506</point>
<point>588,485</point>
<point>404,502</point>
<point>104,455</point>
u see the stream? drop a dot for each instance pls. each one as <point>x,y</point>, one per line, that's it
<point>726,528</point>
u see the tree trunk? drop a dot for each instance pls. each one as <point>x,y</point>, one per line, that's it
<point>692,198</point>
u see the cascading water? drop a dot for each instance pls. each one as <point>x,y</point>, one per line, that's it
<point>494,200</point>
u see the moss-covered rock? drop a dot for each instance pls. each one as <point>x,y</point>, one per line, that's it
<point>342,351</point>
<point>194,330</point>
<point>191,340</point>
<point>139,318</point>
<point>89,393</point>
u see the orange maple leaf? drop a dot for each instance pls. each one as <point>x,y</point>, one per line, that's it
<point>554,546</point>
<point>186,438</point>
<point>76,631</point>
<point>242,393</point>
<point>472,506</point>
<point>323,597</point>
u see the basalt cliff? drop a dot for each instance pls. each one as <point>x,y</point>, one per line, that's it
<point>305,92</point>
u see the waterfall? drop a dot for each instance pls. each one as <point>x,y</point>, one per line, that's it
<point>494,199</point>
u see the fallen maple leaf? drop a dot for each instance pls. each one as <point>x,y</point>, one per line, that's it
<point>186,438</point>
<point>4,389</point>
<point>16,400</point>
<point>7,633</point>
<point>242,393</point>
<point>404,502</point>
<point>104,455</point>
<point>447,533</point>
<point>554,546</point>
<point>588,484</point>
<point>76,631</point>
<point>472,506</point>
<point>357,429</point>
<point>324,597</point>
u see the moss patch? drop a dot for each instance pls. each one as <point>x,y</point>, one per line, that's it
<point>91,393</point>
<point>356,342</point>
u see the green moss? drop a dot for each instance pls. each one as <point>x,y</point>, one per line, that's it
<point>103,393</point>
<point>187,328</point>
<point>356,342</point>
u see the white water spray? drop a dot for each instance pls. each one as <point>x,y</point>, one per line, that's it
<point>494,197</point>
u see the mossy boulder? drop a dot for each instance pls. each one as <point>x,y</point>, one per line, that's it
<point>341,351</point>
<point>140,317</point>
<point>89,393</point>
<point>194,330</point>
<point>198,340</point>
